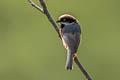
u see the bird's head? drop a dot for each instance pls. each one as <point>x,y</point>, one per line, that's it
<point>66,19</point>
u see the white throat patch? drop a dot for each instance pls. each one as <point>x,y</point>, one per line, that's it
<point>65,23</point>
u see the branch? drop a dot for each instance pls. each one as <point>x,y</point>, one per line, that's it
<point>45,11</point>
<point>82,69</point>
<point>36,6</point>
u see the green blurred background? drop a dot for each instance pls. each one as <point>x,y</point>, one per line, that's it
<point>31,50</point>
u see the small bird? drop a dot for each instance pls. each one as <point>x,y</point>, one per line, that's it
<point>70,33</point>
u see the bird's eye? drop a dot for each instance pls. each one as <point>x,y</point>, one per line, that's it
<point>64,20</point>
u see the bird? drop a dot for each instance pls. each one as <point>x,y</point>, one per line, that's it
<point>70,33</point>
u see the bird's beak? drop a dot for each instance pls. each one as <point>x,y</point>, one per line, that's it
<point>58,21</point>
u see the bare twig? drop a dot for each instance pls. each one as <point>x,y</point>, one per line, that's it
<point>36,6</point>
<point>49,16</point>
<point>45,11</point>
<point>82,69</point>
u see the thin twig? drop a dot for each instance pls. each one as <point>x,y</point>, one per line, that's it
<point>45,11</point>
<point>82,69</point>
<point>36,6</point>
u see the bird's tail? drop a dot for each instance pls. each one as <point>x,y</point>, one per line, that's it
<point>69,60</point>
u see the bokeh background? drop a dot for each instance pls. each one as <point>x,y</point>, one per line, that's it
<point>31,50</point>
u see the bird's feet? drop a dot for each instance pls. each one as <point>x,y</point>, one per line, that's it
<point>75,56</point>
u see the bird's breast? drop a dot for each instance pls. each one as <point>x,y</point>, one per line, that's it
<point>71,28</point>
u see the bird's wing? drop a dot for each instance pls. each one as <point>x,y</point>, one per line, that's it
<point>61,35</point>
<point>71,40</point>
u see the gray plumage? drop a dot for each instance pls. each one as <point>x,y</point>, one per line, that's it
<point>71,36</point>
